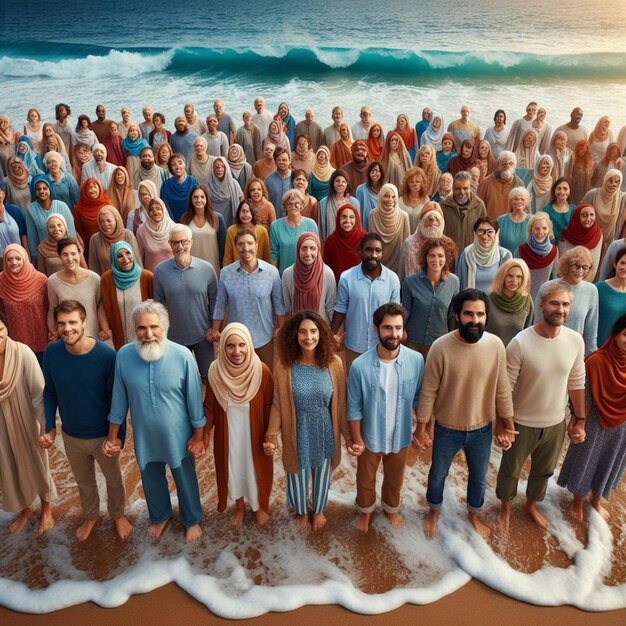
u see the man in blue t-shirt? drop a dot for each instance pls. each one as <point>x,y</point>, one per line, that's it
<point>79,372</point>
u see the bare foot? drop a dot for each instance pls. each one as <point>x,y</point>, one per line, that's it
<point>363,522</point>
<point>430,523</point>
<point>237,519</point>
<point>395,519</point>
<point>539,518</point>
<point>302,521</point>
<point>156,530</point>
<point>504,517</point>
<point>606,516</point>
<point>123,527</point>
<point>479,527</point>
<point>577,510</point>
<point>47,521</point>
<point>319,521</point>
<point>193,533</point>
<point>18,525</point>
<point>84,530</point>
<point>261,517</point>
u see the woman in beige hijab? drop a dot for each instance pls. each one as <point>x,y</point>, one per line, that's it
<point>391,223</point>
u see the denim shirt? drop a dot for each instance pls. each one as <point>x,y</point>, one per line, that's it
<point>367,402</point>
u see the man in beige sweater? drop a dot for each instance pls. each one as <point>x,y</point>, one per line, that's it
<point>466,388</point>
<point>545,363</point>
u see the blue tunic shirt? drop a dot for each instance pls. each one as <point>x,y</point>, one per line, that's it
<point>165,402</point>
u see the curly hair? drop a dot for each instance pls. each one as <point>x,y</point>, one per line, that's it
<point>288,347</point>
<point>414,172</point>
<point>448,247</point>
<point>579,255</point>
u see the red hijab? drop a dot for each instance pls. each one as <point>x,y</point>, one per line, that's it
<point>308,280</point>
<point>86,211</point>
<point>341,250</point>
<point>606,373</point>
<point>577,234</point>
<point>26,283</point>
<point>375,146</point>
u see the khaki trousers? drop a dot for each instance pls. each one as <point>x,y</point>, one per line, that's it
<point>81,454</point>
<point>393,477</point>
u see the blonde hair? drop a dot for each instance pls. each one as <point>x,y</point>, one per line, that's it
<point>519,192</point>
<point>540,215</point>
<point>579,255</point>
<point>497,284</point>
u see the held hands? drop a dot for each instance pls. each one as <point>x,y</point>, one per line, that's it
<point>52,336</point>
<point>111,447</point>
<point>355,448</point>
<point>421,441</point>
<point>269,447</point>
<point>576,430</point>
<point>212,335</point>
<point>46,440</point>
<point>504,437</point>
<point>105,335</point>
<point>196,447</point>
<point>339,337</point>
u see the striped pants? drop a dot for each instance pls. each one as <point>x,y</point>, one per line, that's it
<point>298,488</point>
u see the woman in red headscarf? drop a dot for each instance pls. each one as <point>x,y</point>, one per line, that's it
<point>24,299</point>
<point>596,466</point>
<point>341,250</point>
<point>309,284</point>
<point>91,199</point>
<point>375,143</point>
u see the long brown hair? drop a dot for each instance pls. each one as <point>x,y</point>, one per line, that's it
<point>289,350</point>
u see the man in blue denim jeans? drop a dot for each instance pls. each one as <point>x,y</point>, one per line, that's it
<point>466,387</point>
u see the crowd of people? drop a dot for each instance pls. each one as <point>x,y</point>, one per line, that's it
<point>283,286</point>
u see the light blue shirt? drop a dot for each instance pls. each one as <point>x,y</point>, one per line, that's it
<point>252,299</point>
<point>284,239</point>
<point>357,298</point>
<point>37,222</point>
<point>276,188</point>
<point>367,402</point>
<point>165,402</point>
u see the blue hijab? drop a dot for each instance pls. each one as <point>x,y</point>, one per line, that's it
<point>42,178</point>
<point>124,280</point>
<point>134,147</point>
<point>32,160</point>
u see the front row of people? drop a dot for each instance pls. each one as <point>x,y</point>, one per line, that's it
<point>476,390</point>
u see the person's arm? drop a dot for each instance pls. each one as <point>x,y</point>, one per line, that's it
<point>50,405</point>
<point>53,300</point>
<point>576,427</point>
<point>219,311</point>
<point>112,445</point>
<point>355,405</point>
<point>32,234</point>
<point>105,327</point>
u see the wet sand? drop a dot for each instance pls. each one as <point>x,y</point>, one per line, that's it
<point>375,563</point>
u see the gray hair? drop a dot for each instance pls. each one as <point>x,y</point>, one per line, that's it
<point>292,194</point>
<point>181,228</point>
<point>463,176</point>
<point>152,308</point>
<point>519,192</point>
<point>554,286</point>
<point>508,155</point>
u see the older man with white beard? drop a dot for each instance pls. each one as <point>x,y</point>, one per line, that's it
<point>158,381</point>
<point>494,189</point>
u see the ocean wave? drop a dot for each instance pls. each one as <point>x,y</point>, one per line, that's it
<point>289,61</point>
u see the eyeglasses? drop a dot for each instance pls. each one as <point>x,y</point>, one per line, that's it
<point>489,232</point>
<point>584,268</point>
<point>179,242</point>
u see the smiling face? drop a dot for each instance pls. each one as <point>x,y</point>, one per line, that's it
<point>485,235</point>
<point>246,249</point>
<point>245,214</point>
<point>322,158</point>
<point>236,350</point>
<point>256,192</point>
<point>340,185</point>
<point>347,220</point>
<point>71,327</point>
<point>562,191</point>
<point>155,211</point>
<point>133,133</point>
<point>124,260</point>
<point>612,184</point>
<point>388,200</point>
<point>545,167</point>
<point>93,190</point>
<point>107,222</point>
<point>14,262</point>
<point>177,165</point>
<point>308,252</point>
<point>70,257</point>
<point>375,174</point>
<point>587,217</point>
<point>219,169</point>
<point>300,182</point>
<point>42,192</point>
<point>308,336</point>
<point>390,331</point>
<point>620,268</point>
<point>556,307</point>
<point>56,228</point>
<point>119,177</point>
<point>198,200</point>
<point>436,259</point>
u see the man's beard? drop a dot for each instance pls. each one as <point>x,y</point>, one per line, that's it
<point>431,232</point>
<point>506,174</point>
<point>150,350</point>
<point>472,333</point>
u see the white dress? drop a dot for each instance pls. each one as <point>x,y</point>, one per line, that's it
<point>242,482</point>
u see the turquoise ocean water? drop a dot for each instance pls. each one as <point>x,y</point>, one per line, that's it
<point>395,56</point>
